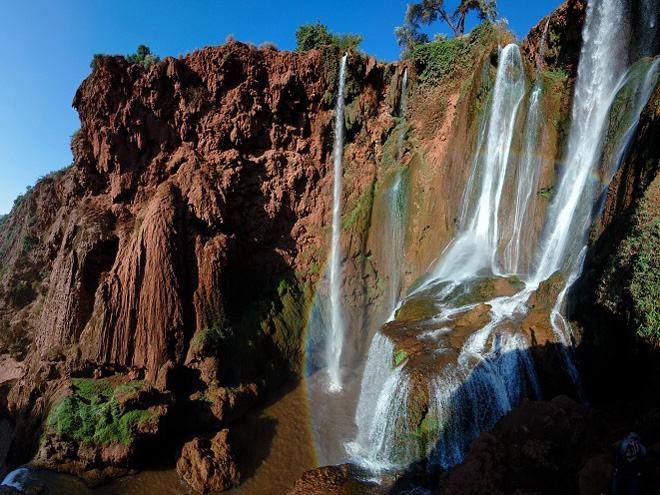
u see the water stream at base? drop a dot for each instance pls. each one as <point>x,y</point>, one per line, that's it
<point>280,449</point>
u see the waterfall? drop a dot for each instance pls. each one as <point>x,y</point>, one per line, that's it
<point>475,247</point>
<point>602,65</point>
<point>491,368</point>
<point>395,233</point>
<point>527,175</point>
<point>403,102</point>
<point>335,340</point>
<point>459,380</point>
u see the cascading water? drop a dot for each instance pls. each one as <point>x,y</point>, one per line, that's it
<point>634,91</point>
<point>489,366</point>
<point>526,176</point>
<point>602,65</point>
<point>473,365</point>
<point>475,248</point>
<point>335,340</point>
<point>403,103</point>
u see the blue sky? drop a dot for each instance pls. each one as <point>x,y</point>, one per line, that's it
<point>47,46</point>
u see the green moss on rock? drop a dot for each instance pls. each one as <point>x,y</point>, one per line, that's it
<point>93,415</point>
<point>416,309</point>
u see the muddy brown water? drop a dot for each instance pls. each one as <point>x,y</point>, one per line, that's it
<point>281,444</point>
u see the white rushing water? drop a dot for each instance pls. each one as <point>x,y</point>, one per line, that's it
<point>403,104</point>
<point>488,370</point>
<point>527,176</point>
<point>475,247</point>
<point>602,65</point>
<point>16,478</point>
<point>335,340</point>
<point>494,369</point>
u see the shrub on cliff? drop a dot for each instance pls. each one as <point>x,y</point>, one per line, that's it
<point>95,60</point>
<point>439,59</point>
<point>314,36</point>
<point>268,45</point>
<point>143,56</point>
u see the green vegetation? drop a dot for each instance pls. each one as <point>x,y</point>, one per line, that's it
<point>96,58</point>
<point>427,431</point>
<point>286,319</point>
<point>417,309</point>
<point>400,356</point>
<point>30,242</point>
<point>268,45</point>
<point>359,209</point>
<point>75,137</point>
<point>93,415</point>
<point>14,339</point>
<point>547,192</point>
<point>556,75</point>
<point>441,59</point>
<point>212,339</point>
<point>645,282</point>
<point>21,294</point>
<point>429,11</point>
<point>143,56</point>
<point>314,36</point>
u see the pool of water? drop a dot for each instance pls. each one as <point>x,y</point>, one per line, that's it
<point>278,440</point>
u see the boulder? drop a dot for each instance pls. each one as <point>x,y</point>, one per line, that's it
<point>209,464</point>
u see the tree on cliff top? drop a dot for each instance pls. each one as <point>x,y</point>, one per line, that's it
<point>311,36</point>
<point>143,56</point>
<point>429,11</point>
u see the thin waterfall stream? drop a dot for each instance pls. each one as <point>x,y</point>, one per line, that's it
<point>394,234</point>
<point>335,339</point>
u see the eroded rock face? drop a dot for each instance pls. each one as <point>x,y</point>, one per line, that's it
<point>183,245</point>
<point>563,40</point>
<point>208,464</point>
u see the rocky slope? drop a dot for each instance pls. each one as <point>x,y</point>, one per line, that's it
<point>183,244</point>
